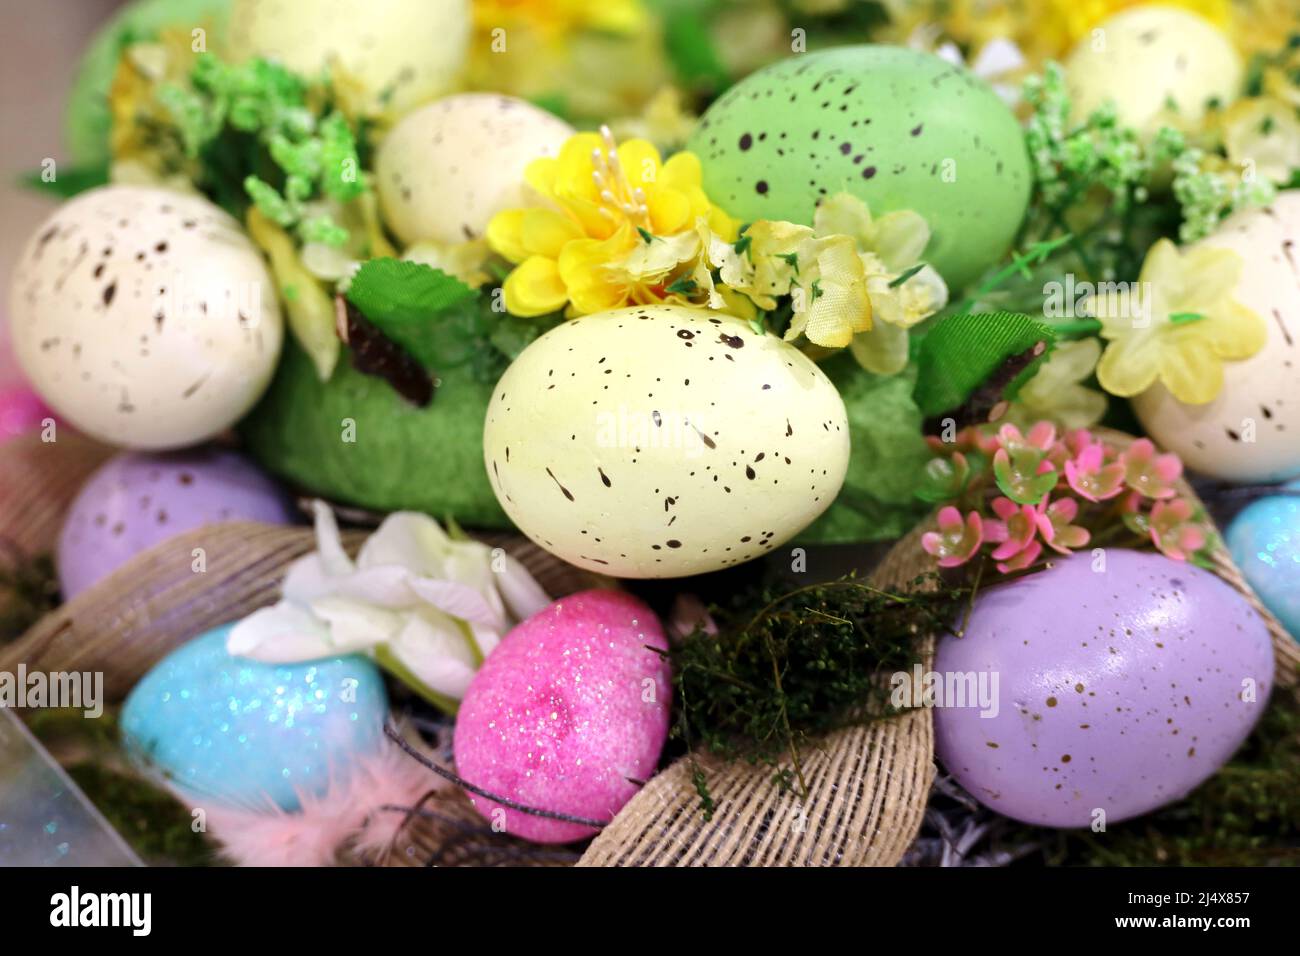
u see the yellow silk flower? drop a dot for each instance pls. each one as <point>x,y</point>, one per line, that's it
<point>824,274</point>
<point>888,247</point>
<point>559,18</point>
<point>1056,392</point>
<point>602,201</point>
<point>1189,324</point>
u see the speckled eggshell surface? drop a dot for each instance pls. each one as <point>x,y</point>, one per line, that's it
<point>1265,542</point>
<point>898,128</point>
<point>567,711</point>
<point>449,167</point>
<point>1157,64</point>
<point>400,52</point>
<point>1251,431</point>
<point>251,735</point>
<point>135,501</point>
<point>1119,691</point>
<point>145,317</point>
<point>661,441</point>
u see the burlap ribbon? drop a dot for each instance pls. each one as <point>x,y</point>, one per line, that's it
<point>867,786</point>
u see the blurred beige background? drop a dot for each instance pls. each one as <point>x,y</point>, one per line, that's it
<point>40,43</point>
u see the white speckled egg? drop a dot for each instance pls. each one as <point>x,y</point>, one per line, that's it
<point>1158,64</point>
<point>662,441</point>
<point>448,167</point>
<point>1251,431</point>
<point>144,317</point>
<point>401,52</point>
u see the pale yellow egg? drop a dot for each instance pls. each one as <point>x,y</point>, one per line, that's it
<point>661,441</point>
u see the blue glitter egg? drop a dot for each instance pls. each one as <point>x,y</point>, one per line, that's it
<point>1265,543</point>
<point>249,734</point>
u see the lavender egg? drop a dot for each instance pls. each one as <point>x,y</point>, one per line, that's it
<point>1115,691</point>
<point>138,500</point>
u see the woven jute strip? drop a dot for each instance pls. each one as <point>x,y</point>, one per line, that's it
<point>867,785</point>
<point>38,480</point>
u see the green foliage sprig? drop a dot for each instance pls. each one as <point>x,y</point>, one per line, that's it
<point>1101,182</point>
<point>807,662</point>
<point>283,140</point>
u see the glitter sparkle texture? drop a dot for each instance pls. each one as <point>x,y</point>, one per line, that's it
<point>568,714</point>
<point>249,734</point>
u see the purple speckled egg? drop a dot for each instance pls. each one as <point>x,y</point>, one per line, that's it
<point>1117,690</point>
<point>137,500</point>
<point>567,711</point>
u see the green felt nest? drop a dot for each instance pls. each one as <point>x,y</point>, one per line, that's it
<point>403,457</point>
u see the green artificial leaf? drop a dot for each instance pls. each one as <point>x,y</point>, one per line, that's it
<point>396,291</point>
<point>407,301</point>
<point>692,52</point>
<point>511,334</point>
<point>887,459</point>
<point>68,183</point>
<point>963,352</point>
<point>555,103</point>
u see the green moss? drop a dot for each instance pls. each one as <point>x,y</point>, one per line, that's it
<point>155,824</point>
<point>786,667</point>
<point>28,590</point>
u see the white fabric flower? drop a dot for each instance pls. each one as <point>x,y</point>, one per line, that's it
<point>997,63</point>
<point>428,607</point>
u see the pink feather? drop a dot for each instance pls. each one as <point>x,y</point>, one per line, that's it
<point>349,815</point>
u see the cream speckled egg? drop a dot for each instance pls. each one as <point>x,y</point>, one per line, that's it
<point>145,317</point>
<point>448,167</point>
<point>661,441</point>
<point>1251,431</point>
<point>1156,63</point>
<point>401,52</point>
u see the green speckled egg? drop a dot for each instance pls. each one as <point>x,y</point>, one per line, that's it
<point>899,128</point>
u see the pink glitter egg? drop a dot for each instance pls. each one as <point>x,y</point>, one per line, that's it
<point>21,411</point>
<point>565,714</point>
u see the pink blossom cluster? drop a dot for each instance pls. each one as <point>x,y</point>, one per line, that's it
<point>1016,494</point>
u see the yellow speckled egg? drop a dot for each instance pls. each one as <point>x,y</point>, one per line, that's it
<point>449,167</point>
<point>1158,64</point>
<point>661,441</point>
<point>1251,431</point>
<point>145,317</point>
<point>402,52</point>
